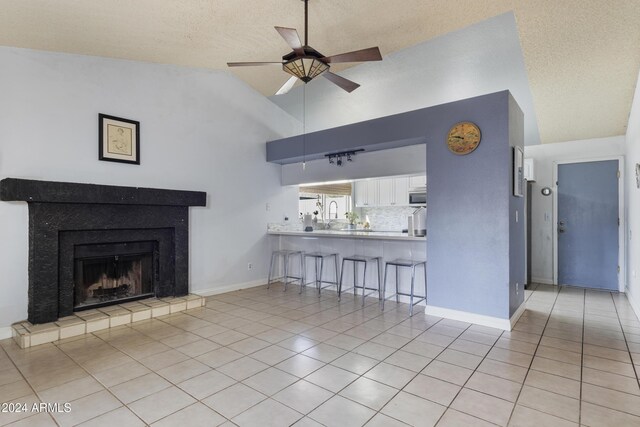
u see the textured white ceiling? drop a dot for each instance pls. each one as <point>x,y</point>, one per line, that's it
<point>581,56</point>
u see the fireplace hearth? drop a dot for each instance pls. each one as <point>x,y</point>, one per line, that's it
<point>95,245</point>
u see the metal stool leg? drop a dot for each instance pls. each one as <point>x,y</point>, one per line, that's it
<point>273,255</point>
<point>286,271</point>
<point>384,285</point>
<point>397,283</point>
<point>303,272</point>
<point>320,281</point>
<point>424,267</point>
<point>355,278</point>
<point>364,282</point>
<point>335,262</point>
<point>340,283</point>
<point>413,277</point>
<point>378,264</point>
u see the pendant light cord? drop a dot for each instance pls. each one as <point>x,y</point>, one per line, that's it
<point>306,22</point>
<point>304,126</point>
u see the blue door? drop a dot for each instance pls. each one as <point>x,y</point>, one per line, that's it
<point>588,224</point>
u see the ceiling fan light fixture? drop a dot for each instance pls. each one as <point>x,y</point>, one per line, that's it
<point>306,68</point>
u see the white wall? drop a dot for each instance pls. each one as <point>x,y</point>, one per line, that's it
<point>477,60</point>
<point>200,130</point>
<point>542,206</point>
<point>632,198</point>
<point>396,161</point>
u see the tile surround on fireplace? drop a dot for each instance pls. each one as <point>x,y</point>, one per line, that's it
<point>65,215</point>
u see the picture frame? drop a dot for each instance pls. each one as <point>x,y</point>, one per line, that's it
<point>518,172</point>
<point>118,139</point>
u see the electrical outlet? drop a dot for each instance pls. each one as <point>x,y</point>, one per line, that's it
<point>249,266</point>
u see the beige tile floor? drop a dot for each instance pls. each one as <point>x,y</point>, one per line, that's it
<point>270,358</point>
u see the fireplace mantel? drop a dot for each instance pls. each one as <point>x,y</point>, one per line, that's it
<point>27,190</point>
<point>63,214</point>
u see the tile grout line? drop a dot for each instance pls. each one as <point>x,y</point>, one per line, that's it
<point>103,385</point>
<point>534,353</point>
<point>626,342</point>
<point>35,393</point>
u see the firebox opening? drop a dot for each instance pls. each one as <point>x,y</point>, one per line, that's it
<point>106,274</point>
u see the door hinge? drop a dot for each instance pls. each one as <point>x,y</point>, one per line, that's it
<point>618,222</point>
<point>618,174</point>
<point>618,269</point>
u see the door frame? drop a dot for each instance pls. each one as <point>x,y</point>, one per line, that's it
<point>622,244</point>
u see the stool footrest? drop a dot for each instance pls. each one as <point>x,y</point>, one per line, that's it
<point>420,298</point>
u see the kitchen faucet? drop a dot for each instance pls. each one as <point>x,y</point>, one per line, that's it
<point>328,224</point>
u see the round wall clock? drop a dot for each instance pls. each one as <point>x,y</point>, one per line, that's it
<point>463,138</point>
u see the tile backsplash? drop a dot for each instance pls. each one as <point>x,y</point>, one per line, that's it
<point>388,218</point>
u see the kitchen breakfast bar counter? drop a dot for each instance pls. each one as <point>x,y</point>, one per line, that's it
<point>351,234</point>
<point>387,245</point>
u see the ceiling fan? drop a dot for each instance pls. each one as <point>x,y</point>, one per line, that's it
<point>306,63</point>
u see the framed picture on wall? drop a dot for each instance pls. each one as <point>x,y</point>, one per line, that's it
<point>518,172</point>
<point>118,139</point>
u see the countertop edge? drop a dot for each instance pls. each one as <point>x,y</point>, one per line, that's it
<point>348,235</point>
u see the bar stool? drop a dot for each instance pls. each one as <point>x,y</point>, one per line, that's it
<point>286,256</point>
<point>319,258</point>
<point>356,260</point>
<point>405,263</point>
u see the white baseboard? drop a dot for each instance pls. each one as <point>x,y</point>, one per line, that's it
<point>6,332</point>
<point>516,316</point>
<point>229,288</point>
<point>478,319</point>
<point>542,281</point>
<point>635,305</point>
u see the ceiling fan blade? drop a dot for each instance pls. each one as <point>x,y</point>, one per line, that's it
<point>345,84</point>
<point>290,35</point>
<point>250,64</point>
<point>370,54</point>
<point>286,87</point>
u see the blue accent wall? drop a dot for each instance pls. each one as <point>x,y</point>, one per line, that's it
<point>517,230</point>
<point>468,211</point>
<point>475,250</point>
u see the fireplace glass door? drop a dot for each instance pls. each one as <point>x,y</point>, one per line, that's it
<point>106,274</point>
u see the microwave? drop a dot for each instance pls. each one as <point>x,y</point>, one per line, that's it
<point>418,198</point>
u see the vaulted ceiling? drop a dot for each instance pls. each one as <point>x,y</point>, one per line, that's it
<point>581,56</point>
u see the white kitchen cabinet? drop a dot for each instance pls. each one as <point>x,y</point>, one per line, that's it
<point>382,192</point>
<point>386,196</point>
<point>360,193</point>
<point>400,191</point>
<point>417,181</point>
<point>372,192</point>
<point>366,193</point>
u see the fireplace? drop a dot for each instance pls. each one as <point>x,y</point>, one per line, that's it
<point>94,245</point>
<point>112,273</point>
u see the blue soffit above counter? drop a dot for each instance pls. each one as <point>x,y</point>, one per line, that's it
<point>398,130</point>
